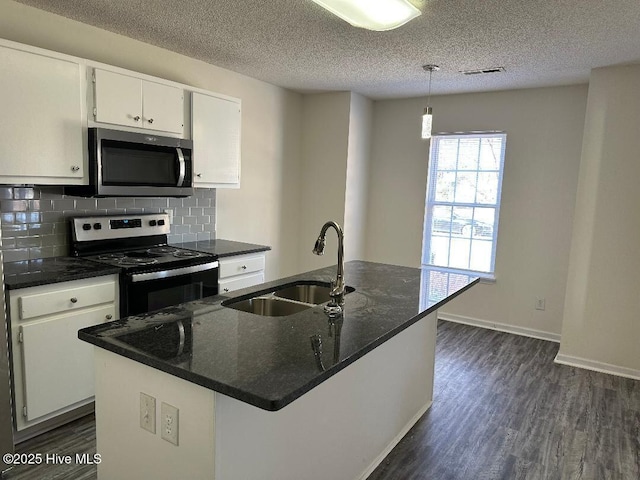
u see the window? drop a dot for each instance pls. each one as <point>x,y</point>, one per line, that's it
<point>463,202</point>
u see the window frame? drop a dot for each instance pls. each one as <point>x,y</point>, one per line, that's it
<point>431,202</point>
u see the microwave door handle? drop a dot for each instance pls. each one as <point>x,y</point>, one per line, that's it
<point>181,167</point>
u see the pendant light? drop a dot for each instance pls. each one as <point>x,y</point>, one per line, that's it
<point>427,116</point>
<point>378,15</point>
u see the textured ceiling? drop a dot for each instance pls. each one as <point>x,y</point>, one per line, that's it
<point>298,45</point>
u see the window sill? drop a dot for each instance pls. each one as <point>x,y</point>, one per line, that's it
<point>488,278</point>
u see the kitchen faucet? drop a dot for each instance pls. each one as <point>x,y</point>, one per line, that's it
<point>337,287</point>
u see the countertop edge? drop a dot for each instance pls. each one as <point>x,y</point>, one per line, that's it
<point>269,404</point>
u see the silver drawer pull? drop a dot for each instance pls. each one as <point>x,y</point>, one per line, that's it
<point>150,120</point>
<point>244,267</point>
<point>225,289</point>
<point>108,316</point>
<point>74,300</point>
<point>136,118</point>
<point>75,168</point>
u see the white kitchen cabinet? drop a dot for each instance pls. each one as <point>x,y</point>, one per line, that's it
<point>134,102</point>
<point>241,271</point>
<point>215,131</point>
<point>52,368</point>
<point>42,113</point>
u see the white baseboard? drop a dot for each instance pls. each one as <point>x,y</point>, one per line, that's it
<point>597,366</point>
<point>378,460</point>
<point>501,327</point>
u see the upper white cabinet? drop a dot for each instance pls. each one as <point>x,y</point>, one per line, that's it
<point>41,118</point>
<point>215,124</point>
<point>134,102</point>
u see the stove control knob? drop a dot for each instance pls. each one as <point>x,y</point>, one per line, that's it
<point>160,222</point>
<point>86,226</point>
<point>97,226</point>
<point>152,223</point>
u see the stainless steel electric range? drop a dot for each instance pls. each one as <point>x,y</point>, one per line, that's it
<point>153,274</point>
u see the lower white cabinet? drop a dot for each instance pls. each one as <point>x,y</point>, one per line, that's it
<point>53,370</point>
<point>241,271</point>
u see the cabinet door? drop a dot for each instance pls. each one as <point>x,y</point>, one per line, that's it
<point>162,107</point>
<point>41,119</point>
<point>58,367</point>
<point>215,124</point>
<point>118,99</point>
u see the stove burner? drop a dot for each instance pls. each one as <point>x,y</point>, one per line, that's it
<point>185,254</point>
<point>111,256</point>
<point>161,250</point>
<point>136,261</point>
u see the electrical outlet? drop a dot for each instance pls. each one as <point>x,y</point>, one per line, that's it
<point>148,413</point>
<point>540,303</point>
<point>169,419</point>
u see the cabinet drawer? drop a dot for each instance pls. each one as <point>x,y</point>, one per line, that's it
<point>240,265</point>
<point>31,305</point>
<point>242,281</point>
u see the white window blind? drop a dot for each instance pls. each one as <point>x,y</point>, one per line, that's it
<point>463,202</point>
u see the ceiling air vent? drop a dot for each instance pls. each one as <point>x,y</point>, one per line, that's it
<point>483,71</point>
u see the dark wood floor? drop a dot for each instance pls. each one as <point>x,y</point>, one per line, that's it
<point>502,410</point>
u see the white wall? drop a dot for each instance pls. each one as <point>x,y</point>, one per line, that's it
<point>544,134</point>
<point>325,138</point>
<point>357,187</point>
<point>264,210</point>
<point>601,327</point>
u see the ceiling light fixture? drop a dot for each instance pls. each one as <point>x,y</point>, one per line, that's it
<point>427,116</point>
<point>379,15</point>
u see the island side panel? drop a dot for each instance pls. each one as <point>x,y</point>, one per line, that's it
<point>128,451</point>
<point>341,429</point>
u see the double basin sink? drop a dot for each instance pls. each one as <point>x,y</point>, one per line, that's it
<point>285,299</point>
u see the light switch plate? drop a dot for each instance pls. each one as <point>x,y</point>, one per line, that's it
<point>148,413</point>
<point>169,420</point>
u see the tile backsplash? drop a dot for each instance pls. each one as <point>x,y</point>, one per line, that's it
<point>34,219</point>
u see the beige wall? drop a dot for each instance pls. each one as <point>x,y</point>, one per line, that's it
<point>601,326</point>
<point>544,134</point>
<point>264,209</point>
<point>325,138</point>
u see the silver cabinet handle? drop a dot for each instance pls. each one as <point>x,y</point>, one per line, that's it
<point>199,175</point>
<point>74,300</point>
<point>108,316</point>
<point>136,118</point>
<point>244,267</point>
<point>225,289</point>
<point>75,168</point>
<point>150,120</point>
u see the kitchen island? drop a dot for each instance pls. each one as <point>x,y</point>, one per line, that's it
<point>259,397</point>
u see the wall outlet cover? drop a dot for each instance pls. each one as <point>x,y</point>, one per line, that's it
<point>148,413</point>
<point>169,423</point>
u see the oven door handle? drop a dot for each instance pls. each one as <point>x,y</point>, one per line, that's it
<point>144,277</point>
<point>182,170</point>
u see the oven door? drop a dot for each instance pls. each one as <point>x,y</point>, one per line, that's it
<point>146,292</point>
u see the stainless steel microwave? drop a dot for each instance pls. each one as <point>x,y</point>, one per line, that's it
<point>130,164</point>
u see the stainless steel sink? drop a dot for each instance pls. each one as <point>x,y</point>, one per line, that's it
<point>284,300</point>
<point>267,306</point>
<point>308,292</point>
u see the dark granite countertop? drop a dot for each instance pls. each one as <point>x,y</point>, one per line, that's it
<point>269,362</point>
<point>43,271</point>
<point>223,248</point>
